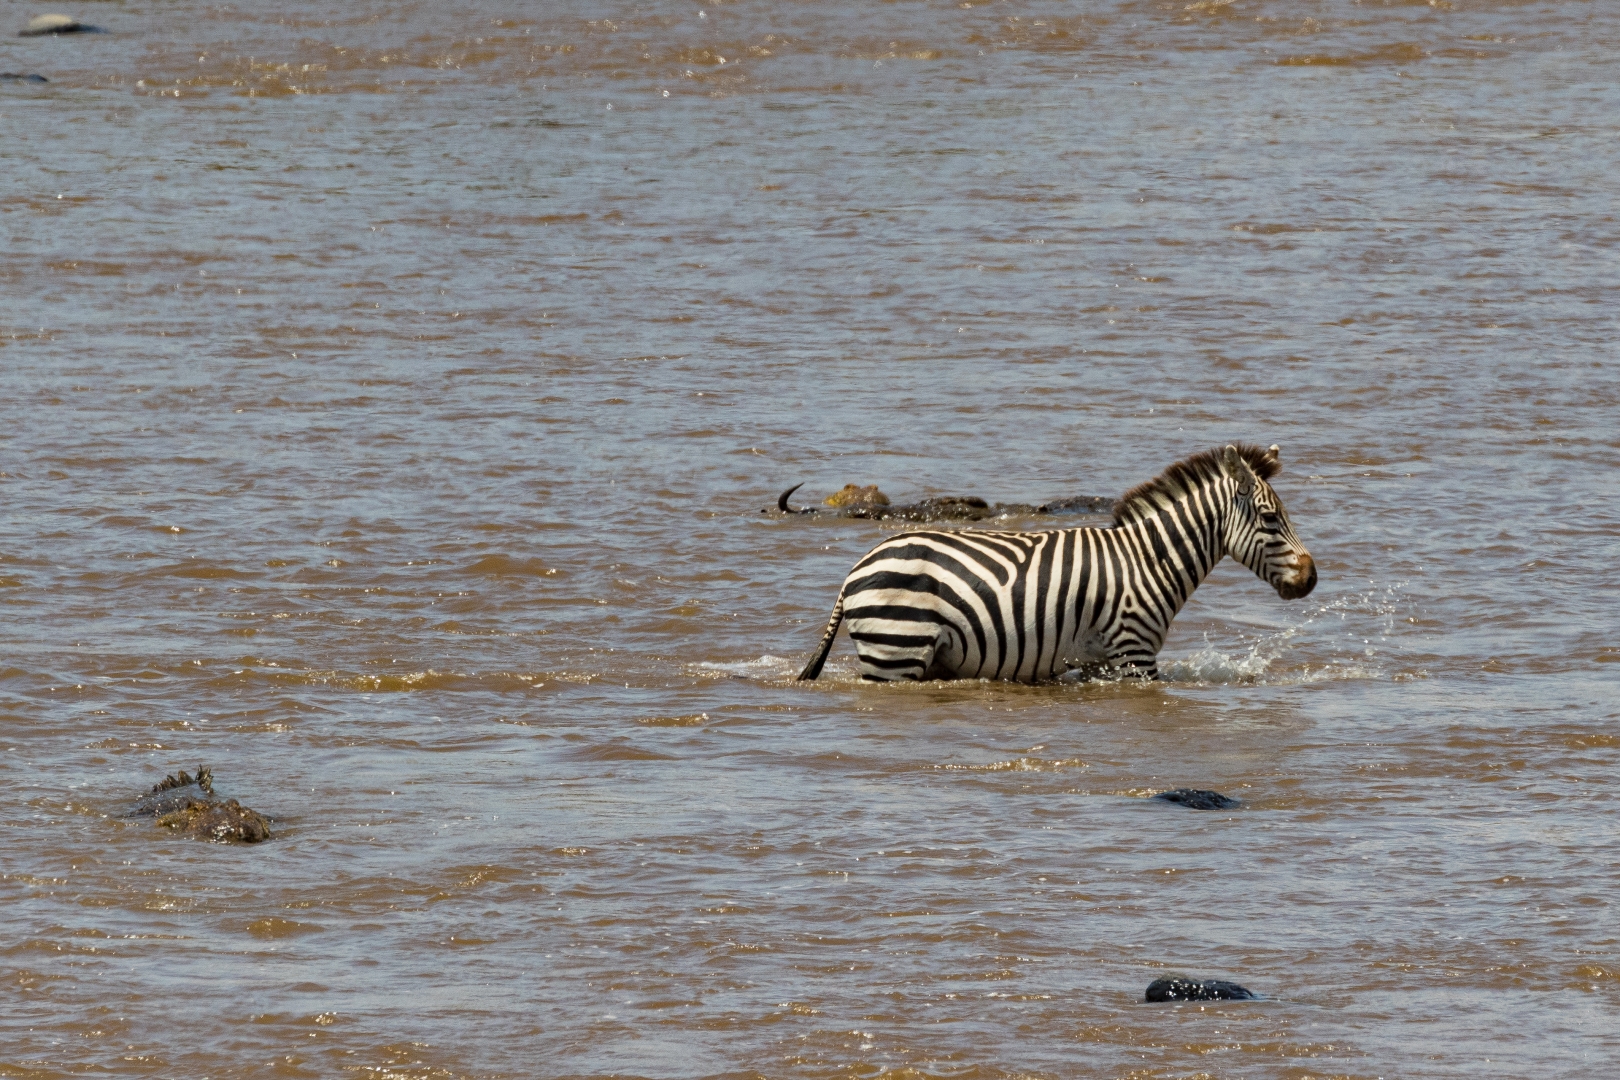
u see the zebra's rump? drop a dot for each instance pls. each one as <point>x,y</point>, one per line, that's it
<point>948,603</point>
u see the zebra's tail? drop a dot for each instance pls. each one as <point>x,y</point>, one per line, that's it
<point>813,668</point>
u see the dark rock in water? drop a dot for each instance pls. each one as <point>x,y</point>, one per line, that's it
<point>1198,799</point>
<point>1179,989</point>
<point>190,805</point>
<point>40,25</point>
<point>12,76</point>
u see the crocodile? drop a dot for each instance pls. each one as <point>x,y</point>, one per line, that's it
<point>190,806</point>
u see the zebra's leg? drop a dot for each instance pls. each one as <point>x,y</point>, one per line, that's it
<point>1135,664</point>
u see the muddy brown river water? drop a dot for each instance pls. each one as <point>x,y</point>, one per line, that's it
<point>390,395</point>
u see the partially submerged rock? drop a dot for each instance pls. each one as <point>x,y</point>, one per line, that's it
<point>1177,988</point>
<point>40,25</point>
<point>853,501</point>
<point>1199,799</point>
<point>220,822</point>
<point>190,806</point>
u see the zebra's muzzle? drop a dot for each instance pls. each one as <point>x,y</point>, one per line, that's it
<point>1302,581</point>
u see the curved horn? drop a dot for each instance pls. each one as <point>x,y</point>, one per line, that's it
<point>781,502</point>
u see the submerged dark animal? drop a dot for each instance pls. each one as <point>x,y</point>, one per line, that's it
<point>942,508</point>
<point>190,806</point>
<point>12,76</point>
<point>849,503</point>
<point>1177,988</point>
<point>1199,799</point>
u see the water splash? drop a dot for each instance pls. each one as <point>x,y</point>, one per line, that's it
<point>1350,636</point>
<point>1347,637</point>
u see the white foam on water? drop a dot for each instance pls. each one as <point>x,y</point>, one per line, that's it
<point>767,666</point>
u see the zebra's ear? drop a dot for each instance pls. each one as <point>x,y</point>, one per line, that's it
<point>1238,469</point>
<point>1274,454</point>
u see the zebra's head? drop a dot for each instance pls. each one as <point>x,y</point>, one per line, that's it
<point>1258,533</point>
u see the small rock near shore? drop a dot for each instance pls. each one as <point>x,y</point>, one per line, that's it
<point>1199,799</point>
<point>1180,989</point>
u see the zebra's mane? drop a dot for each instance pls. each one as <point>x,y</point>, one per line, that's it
<point>1185,477</point>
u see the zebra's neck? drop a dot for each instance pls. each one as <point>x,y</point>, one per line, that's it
<point>1179,545</point>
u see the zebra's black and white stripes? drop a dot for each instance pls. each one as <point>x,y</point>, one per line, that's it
<point>1028,606</point>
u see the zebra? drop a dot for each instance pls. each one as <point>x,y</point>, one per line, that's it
<point>1029,606</point>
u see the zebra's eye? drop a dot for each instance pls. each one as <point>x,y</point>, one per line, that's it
<point>1270,521</point>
